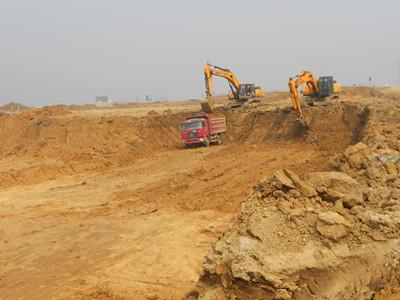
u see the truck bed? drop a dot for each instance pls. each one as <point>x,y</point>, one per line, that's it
<point>217,124</point>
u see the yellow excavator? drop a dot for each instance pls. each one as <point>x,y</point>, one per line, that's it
<point>241,92</point>
<point>315,89</point>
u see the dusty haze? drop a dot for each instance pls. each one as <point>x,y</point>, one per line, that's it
<point>70,51</point>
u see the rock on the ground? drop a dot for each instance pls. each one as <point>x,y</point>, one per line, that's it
<point>291,180</point>
<point>334,186</point>
<point>332,225</point>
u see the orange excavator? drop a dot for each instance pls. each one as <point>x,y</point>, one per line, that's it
<point>241,92</point>
<point>317,89</point>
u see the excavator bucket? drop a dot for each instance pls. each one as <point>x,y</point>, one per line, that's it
<point>207,106</point>
<point>302,122</point>
<point>234,104</point>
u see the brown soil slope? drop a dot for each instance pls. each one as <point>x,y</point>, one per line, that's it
<point>106,204</point>
<point>328,235</point>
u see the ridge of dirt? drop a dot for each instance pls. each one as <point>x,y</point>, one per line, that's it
<point>67,144</point>
<point>325,235</point>
<point>361,91</point>
<point>14,107</point>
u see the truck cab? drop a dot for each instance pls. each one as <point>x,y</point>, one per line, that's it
<point>202,130</point>
<point>194,131</point>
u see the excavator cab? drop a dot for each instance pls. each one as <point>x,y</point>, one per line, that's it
<point>247,90</point>
<point>326,86</point>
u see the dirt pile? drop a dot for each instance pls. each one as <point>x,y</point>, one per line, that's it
<point>360,92</point>
<point>331,235</point>
<point>65,144</point>
<point>56,132</point>
<point>375,162</point>
<point>53,132</point>
<point>294,238</point>
<point>332,127</point>
<point>14,107</point>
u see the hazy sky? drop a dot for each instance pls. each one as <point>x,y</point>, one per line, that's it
<point>68,51</point>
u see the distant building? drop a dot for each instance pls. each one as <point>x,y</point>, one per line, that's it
<point>103,101</point>
<point>149,97</point>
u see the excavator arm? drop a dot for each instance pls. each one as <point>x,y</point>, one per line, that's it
<point>303,78</point>
<point>211,70</point>
<point>241,93</point>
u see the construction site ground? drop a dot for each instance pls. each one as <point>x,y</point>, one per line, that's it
<point>105,203</point>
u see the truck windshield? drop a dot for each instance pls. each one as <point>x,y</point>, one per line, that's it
<point>192,125</point>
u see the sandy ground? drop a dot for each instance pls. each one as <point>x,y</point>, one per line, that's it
<point>135,228</point>
<point>130,222</point>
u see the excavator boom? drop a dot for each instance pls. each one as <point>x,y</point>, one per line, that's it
<point>240,92</point>
<point>315,88</point>
<point>303,78</point>
<point>295,99</point>
<point>210,70</point>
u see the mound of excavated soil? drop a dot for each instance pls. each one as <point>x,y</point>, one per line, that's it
<point>69,144</point>
<point>53,132</point>
<point>66,144</point>
<point>328,235</point>
<point>360,91</point>
<point>332,127</point>
<point>13,107</point>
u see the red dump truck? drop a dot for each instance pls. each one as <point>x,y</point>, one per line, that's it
<point>204,129</point>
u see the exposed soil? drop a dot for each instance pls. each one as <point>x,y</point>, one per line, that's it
<point>13,107</point>
<point>106,203</point>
